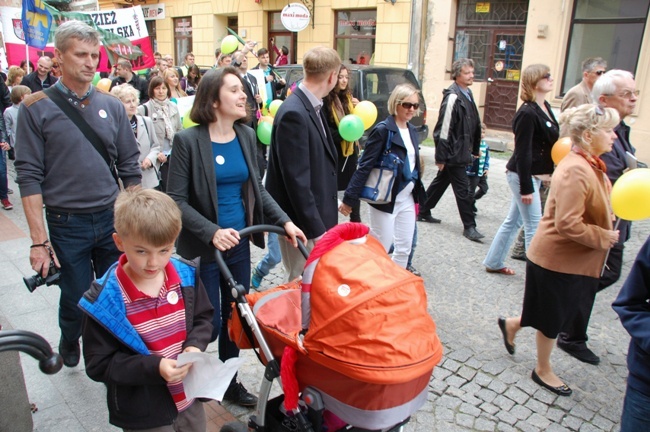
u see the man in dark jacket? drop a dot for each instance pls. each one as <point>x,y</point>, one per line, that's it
<point>125,75</point>
<point>631,305</point>
<point>458,138</point>
<point>41,78</point>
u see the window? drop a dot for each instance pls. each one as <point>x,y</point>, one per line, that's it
<point>182,38</point>
<point>355,35</point>
<point>480,27</point>
<point>611,29</point>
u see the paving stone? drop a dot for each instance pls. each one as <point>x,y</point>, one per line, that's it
<point>482,379</point>
<point>449,402</point>
<point>489,408</point>
<point>438,387</point>
<point>466,408</point>
<point>538,420</point>
<point>566,403</point>
<point>474,363</point>
<point>451,365</point>
<point>602,422</point>
<point>444,414</point>
<point>464,420</point>
<point>582,412</point>
<point>441,373</point>
<point>455,392</point>
<point>510,377</point>
<point>471,387</point>
<point>484,425</point>
<point>471,399</point>
<point>506,417</point>
<point>504,427</point>
<point>461,355</point>
<point>554,427</point>
<point>516,395</point>
<point>498,386</point>
<point>486,395</point>
<point>521,412</point>
<point>495,367</point>
<point>466,372</point>
<point>536,406</point>
<point>588,427</point>
<point>455,381</point>
<point>555,415</point>
<point>545,396</point>
<point>526,427</point>
<point>572,422</point>
<point>503,402</point>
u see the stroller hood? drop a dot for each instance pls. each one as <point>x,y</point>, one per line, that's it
<point>366,316</point>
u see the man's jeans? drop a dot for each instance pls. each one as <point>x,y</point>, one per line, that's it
<point>83,242</point>
<point>636,411</point>
<point>272,258</point>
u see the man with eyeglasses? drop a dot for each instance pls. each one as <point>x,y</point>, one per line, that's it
<point>458,138</point>
<point>615,89</point>
<point>592,69</point>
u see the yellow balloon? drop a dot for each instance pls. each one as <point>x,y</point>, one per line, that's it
<point>561,148</point>
<point>104,84</point>
<point>267,119</point>
<point>187,121</point>
<point>229,44</point>
<point>367,111</point>
<point>273,107</point>
<point>631,195</point>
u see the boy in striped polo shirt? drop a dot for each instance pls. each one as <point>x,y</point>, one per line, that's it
<point>146,310</point>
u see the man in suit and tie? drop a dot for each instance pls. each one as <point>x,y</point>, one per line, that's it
<point>253,100</point>
<point>303,161</point>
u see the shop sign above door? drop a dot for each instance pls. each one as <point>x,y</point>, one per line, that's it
<point>295,17</point>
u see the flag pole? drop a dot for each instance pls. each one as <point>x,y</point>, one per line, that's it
<point>27,57</point>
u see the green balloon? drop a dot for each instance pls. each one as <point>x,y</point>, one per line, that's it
<point>96,78</point>
<point>229,44</point>
<point>187,121</point>
<point>264,130</point>
<point>351,127</point>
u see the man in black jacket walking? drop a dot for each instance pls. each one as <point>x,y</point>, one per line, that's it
<point>41,78</point>
<point>458,138</point>
<point>125,75</point>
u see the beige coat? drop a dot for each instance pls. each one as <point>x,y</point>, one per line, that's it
<point>576,96</point>
<point>573,235</point>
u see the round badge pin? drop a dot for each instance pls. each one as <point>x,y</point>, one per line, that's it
<point>172,297</point>
<point>548,123</point>
<point>220,160</point>
<point>103,114</point>
<point>344,290</point>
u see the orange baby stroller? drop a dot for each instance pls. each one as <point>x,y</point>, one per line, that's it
<point>353,339</point>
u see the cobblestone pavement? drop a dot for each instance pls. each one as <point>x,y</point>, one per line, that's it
<point>476,386</point>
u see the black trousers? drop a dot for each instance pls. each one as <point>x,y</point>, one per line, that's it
<point>457,177</point>
<point>482,184</point>
<point>575,334</point>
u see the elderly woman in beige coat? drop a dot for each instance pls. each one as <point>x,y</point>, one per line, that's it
<point>144,134</point>
<point>571,243</point>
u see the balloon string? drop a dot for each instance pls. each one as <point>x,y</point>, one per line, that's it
<point>345,163</point>
<point>602,272</point>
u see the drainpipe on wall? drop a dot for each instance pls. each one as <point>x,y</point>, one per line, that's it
<point>415,41</point>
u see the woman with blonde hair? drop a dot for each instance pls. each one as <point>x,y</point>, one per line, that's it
<point>171,78</point>
<point>392,223</point>
<point>568,252</point>
<point>536,130</point>
<point>144,134</point>
<point>14,76</point>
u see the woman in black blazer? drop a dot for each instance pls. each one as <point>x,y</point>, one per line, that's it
<point>214,180</point>
<point>536,130</point>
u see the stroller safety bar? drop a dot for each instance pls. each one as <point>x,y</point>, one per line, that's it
<point>30,343</point>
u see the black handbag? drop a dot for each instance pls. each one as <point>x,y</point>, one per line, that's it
<point>379,185</point>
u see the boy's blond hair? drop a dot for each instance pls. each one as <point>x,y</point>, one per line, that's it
<point>18,92</point>
<point>148,215</point>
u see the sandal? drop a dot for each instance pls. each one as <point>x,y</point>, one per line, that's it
<point>504,271</point>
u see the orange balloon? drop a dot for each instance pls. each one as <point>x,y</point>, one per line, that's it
<point>104,84</point>
<point>561,148</point>
<point>267,119</point>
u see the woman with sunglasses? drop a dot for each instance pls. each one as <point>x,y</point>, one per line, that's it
<point>336,105</point>
<point>536,130</point>
<point>566,256</point>
<point>56,68</point>
<point>392,223</point>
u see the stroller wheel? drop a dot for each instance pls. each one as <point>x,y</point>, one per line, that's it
<point>234,427</point>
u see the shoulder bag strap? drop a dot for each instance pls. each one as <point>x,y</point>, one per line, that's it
<point>83,126</point>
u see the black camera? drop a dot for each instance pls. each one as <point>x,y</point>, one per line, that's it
<point>52,278</point>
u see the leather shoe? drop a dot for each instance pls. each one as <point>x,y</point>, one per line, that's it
<point>519,257</point>
<point>502,326</point>
<point>473,235</point>
<point>563,390</point>
<point>70,352</point>
<point>237,394</point>
<point>581,352</point>
<point>428,219</point>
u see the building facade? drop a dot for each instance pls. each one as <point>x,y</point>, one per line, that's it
<point>502,36</point>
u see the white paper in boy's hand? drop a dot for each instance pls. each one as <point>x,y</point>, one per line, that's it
<point>208,377</point>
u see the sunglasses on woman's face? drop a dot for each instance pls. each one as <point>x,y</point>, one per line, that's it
<point>409,105</point>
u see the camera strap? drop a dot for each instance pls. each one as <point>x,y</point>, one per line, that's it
<point>91,136</point>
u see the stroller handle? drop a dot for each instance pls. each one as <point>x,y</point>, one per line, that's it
<point>34,345</point>
<point>236,288</point>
